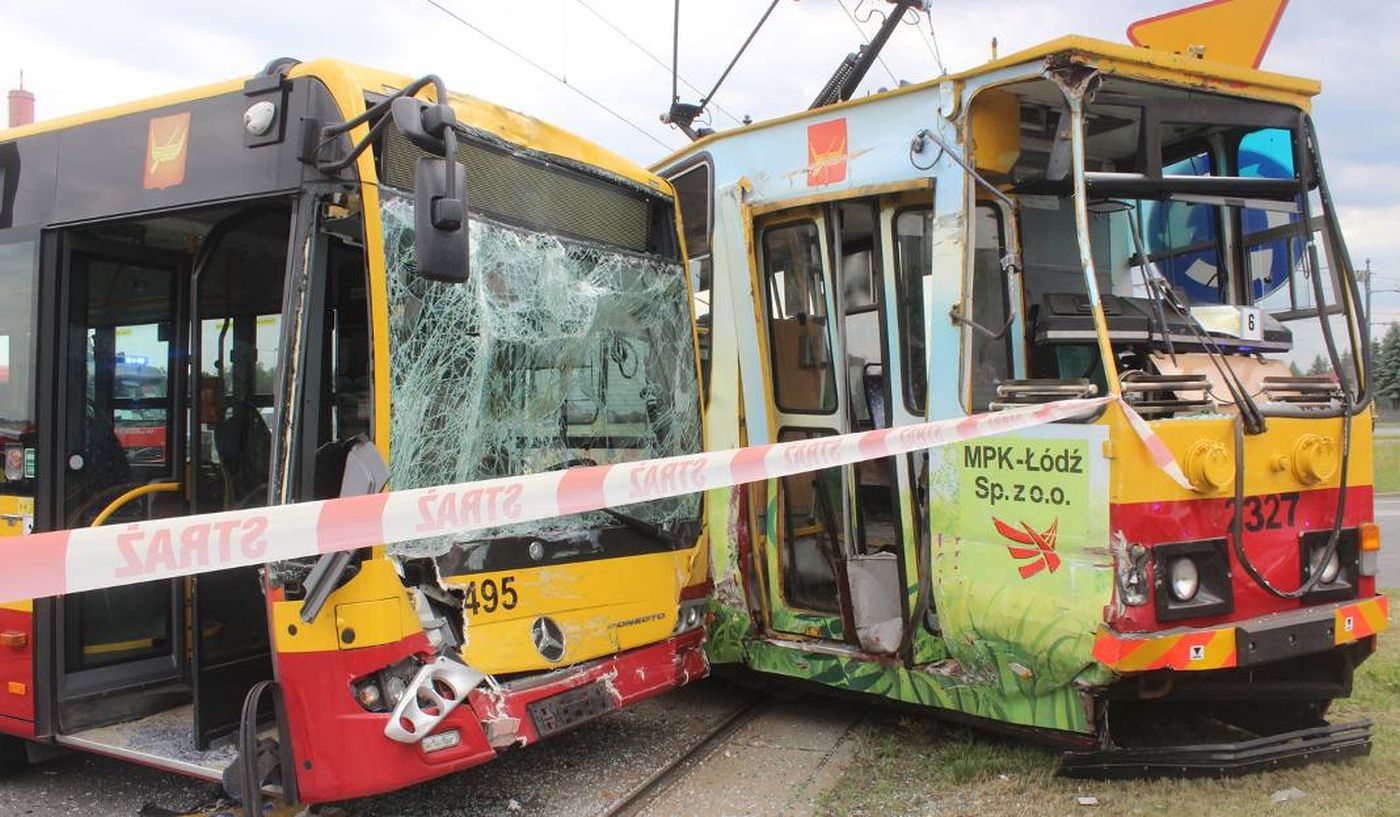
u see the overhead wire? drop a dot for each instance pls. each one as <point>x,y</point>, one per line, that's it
<point>543,70</point>
<point>861,31</point>
<point>652,56</point>
<point>933,48</point>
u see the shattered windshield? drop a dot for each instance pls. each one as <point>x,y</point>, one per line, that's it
<point>555,353</point>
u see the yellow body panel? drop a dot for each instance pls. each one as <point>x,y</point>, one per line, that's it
<point>1268,467</point>
<point>603,607</point>
<point>13,512</point>
<point>374,604</point>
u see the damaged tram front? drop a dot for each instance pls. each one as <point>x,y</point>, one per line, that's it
<point>1080,219</point>
<point>276,290</point>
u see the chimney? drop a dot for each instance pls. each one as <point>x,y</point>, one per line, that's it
<point>21,105</point>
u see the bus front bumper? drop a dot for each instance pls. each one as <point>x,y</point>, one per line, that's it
<point>342,752</point>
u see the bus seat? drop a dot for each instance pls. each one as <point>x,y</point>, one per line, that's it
<point>244,443</point>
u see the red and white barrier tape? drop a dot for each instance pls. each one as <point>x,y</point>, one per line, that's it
<point>69,561</point>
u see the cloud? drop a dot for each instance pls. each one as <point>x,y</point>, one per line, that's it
<point>1372,232</point>
<point>87,54</point>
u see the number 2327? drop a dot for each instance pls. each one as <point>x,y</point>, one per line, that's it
<point>1268,512</point>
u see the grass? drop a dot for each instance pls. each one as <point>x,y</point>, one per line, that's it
<point>1387,459</point>
<point>918,766</point>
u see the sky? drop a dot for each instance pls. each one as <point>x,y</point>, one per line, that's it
<point>90,53</point>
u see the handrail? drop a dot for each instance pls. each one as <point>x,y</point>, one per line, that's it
<point>134,493</point>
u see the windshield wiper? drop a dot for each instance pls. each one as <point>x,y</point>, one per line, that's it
<point>1159,291</point>
<point>654,532</point>
<point>1250,414</point>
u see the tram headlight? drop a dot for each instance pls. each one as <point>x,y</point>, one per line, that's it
<point>1338,573</point>
<point>1193,579</point>
<point>1185,579</point>
<point>1333,565</point>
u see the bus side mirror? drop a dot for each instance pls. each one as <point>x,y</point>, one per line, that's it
<point>440,189</point>
<point>440,220</point>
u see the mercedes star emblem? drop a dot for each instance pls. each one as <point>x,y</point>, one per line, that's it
<point>548,638</point>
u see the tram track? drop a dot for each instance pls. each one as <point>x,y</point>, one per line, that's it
<point>634,800</point>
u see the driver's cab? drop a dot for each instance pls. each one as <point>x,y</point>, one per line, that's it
<point>1205,230</point>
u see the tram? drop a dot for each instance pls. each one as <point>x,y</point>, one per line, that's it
<point>1081,218</point>
<point>311,283</point>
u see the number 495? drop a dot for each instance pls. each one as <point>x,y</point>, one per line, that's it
<point>490,597</point>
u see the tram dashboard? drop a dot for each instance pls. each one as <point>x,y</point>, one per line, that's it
<point>1064,318</point>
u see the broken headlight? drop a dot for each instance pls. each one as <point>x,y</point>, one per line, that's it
<point>382,690</point>
<point>690,615</point>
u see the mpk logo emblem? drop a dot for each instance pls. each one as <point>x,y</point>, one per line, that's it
<point>1040,546</point>
<point>826,153</point>
<point>166,141</point>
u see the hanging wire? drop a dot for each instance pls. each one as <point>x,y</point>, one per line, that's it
<point>861,31</point>
<point>629,123</point>
<point>652,56</point>
<point>933,48</point>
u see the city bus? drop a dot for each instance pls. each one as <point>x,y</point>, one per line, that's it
<point>1079,219</point>
<point>312,283</point>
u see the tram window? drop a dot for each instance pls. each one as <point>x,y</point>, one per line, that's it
<point>990,361</point>
<point>1183,238</point>
<point>694,194</point>
<point>812,533</point>
<point>860,309</point>
<point>913,230</point>
<point>17,273</point>
<point>804,378</point>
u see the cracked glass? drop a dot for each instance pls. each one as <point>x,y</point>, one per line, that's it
<point>555,353</point>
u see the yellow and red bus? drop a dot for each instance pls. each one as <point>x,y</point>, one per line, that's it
<point>259,292</point>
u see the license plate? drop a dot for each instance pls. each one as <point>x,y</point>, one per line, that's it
<point>566,710</point>
<point>442,740</point>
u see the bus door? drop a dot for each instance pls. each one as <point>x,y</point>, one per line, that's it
<point>119,650</point>
<point>138,440</point>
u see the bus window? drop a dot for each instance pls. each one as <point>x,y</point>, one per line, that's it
<point>17,272</point>
<point>804,380</point>
<point>913,231</point>
<point>118,368</point>
<point>990,361</point>
<point>240,326</point>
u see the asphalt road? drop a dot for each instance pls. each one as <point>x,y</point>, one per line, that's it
<point>1388,517</point>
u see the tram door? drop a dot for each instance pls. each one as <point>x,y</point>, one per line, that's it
<point>833,539</point>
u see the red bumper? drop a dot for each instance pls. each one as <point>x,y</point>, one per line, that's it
<point>341,751</point>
